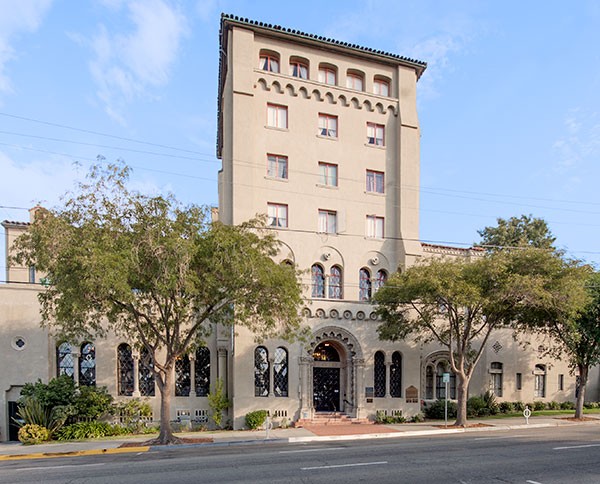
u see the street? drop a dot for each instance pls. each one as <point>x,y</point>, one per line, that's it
<point>544,456</point>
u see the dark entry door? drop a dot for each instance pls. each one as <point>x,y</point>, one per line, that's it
<point>326,389</point>
<point>13,428</point>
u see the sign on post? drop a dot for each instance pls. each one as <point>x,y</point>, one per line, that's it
<point>527,414</point>
<point>446,380</point>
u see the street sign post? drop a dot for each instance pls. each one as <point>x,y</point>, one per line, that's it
<point>527,414</point>
<point>446,380</point>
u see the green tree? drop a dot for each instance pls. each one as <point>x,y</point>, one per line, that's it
<point>151,269</point>
<point>459,303</point>
<point>524,231</point>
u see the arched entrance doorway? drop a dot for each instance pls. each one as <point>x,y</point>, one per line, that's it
<point>327,378</point>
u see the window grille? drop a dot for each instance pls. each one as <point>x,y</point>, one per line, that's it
<point>261,372</point>
<point>124,370</point>
<point>202,372</point>
<point>145,374</point>
<point>396,375</point>
<point>87,365</point>
<point>280,373</point>
<point>379,375</point>
<point>182,376</point>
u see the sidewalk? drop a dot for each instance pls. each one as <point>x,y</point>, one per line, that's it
<point>310,433</point>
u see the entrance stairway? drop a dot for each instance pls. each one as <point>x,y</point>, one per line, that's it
<point>331,418</point>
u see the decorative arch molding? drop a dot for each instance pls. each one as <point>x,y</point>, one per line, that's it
<point>294,89</point>
<point>340,335</point>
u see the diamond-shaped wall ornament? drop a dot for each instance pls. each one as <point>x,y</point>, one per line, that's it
<point>497,346</point>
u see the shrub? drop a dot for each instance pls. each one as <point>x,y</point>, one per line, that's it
<point>553,405</point>
<point>130,413</point>
<point>382,418</point>
<point>519,406</point>
<point>506,407</point>
<point>590,405</point>
<point>256,419</point>
<point>31,434</point>
<point>538,406</point>
<point>417,418</point>
<point>474,406</point>
<point>89,430</point>
<point>490,402</point>
<point>567,406</point>
<point>56,393</point>
<point>436,410</point>
<point>32,412</point>
<point>218,401</point>
<point>92,402</point>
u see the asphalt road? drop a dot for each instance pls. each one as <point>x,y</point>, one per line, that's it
<point>544,456</point>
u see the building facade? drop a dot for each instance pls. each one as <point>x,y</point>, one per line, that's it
<point>322,137</point>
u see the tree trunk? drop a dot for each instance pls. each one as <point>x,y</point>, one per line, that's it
<point>166,436</point>
<point>462,395</point>
<point>583,376</point>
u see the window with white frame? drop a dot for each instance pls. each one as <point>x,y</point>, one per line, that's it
<point>277,166</point>
<point>375,134</point>
<point>375,181</point>
<point>269,61</point>
<point>328,74</point>
<point>277,215</point>
<point>381,86</point>
<point>299,68</point>
<point>355,81</point>
<point>496,371</point>
<point>328,125</point>
<point>277,116</point>
<point>374,227</point>
<point>328,174</point>
<point>328,221</point>
<point>540,381</point>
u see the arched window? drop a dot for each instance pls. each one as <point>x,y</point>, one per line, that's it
<point>381,86</point>
<point>182,376</point>
<point>64,360</point>
<point>318,281</point>
<point>335,283</point>
<point>299,67</point>
<point>202,371</point>
<point>496,378</point>
<point>540,381</point>
<point>380,280</point>
<point>87,365</point>
<point>325,352</point>
<point>355,80</point>
<point>261,372</point>
<point>124,370</point>
<point>280,373</point>
<point>396,375</point>
<point>429,382</point>
<point>379,376</point>
<point>328,74</point>
<point>364,284</point>
<point>440,386</point>
<point>269,61</point>
<point>145,374</point>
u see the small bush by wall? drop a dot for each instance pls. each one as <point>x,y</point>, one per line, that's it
<point>256,419</point>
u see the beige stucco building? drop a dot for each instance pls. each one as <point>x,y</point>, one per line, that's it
<point>323,137</point>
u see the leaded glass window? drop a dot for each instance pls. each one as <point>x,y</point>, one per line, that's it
<point>87,365</point>
<point>145,374</point>
<point>202,372</point>
<point>364,284</point>
<point>280,373</point>
<point>396,375</point>
<point>379,374</point>
<point>380,280</point>
<point>429,382</point>
<point>64,360</point>
<point>124,370</point>
<point>440,389</point>
<point>335,283</point>
<point>182,376</point>
<point>318,281</point>
<point>261,372</point>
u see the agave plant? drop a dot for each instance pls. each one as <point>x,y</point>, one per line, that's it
<point>32,412</point>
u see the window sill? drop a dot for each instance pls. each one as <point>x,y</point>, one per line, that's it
<point>326,233</point>
<point>330,187</point>
<point>276,178</point>
<point>379,147</point>
<point>375,194</point>
<point>330,138</point>
<point>379,239</point>
<point>275,128</point>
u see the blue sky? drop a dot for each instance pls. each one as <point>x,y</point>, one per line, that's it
<point>509,105</point>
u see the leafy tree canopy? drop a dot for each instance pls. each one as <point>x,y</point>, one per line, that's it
<point>155,271</point>
<point>523,231</point>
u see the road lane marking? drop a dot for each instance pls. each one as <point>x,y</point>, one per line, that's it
<point>498,438</point>
<point>309,450</point>
<point>533,482</point>
<point>576,447</point>
<point>344,465</point>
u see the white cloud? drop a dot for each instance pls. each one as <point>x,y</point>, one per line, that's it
<point>580,142</point>
<point>127,65</point>
<point>17,17</point>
